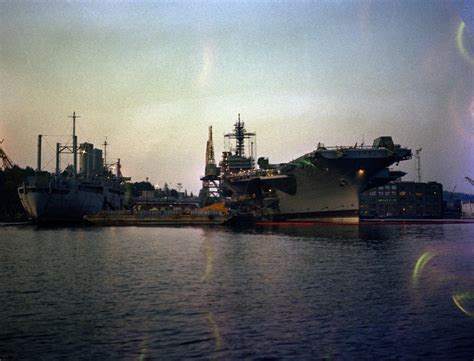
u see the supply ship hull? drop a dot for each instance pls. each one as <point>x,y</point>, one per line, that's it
<point>48,198</point>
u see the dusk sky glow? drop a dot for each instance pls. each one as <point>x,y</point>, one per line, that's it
<point>152,76</point>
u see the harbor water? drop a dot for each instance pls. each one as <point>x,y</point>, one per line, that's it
<point>280,292</point>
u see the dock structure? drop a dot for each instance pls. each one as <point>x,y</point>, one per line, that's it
<point>157,218</point>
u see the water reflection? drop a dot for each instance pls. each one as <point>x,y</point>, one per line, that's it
<point>348,233</point>
<point>208,292</point>
<point>215,331</point>
<point>268,292</point>
<point>312,230</point>
<point>364,232</point>
<point>143,349</point>
<point>209,256</point>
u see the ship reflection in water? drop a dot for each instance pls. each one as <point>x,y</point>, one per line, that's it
<point>295,292</point>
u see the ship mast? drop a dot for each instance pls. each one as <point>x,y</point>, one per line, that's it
<point>418,164</point>
<point>239,137</point>
<point>240,134</point>
<point>74,142</point>
<point>105,154</point>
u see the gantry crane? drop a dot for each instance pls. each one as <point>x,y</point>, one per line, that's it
<point>470,180</point>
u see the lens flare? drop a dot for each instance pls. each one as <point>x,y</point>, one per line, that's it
<point>420,264</point>
<point>460,44</point>
<point>206,66</point>
<point>460,301</point>
<point>440,278</point>
<point>461,109</point>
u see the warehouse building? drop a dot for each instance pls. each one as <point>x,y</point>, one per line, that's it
<point>403,200</point>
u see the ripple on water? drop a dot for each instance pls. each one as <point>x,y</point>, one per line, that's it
<point>280,292</point>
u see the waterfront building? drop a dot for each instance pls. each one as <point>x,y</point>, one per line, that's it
<point>403,200</point>
<point>452,208</point>
<point>467,209</point>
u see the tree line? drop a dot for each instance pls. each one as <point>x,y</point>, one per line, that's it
<point>10,205</point>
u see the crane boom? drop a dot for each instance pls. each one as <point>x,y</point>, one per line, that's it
<point>6,162</point>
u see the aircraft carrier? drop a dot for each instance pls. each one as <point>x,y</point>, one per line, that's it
<point>321,186</point>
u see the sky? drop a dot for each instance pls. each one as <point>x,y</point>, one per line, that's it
<point>152,76</point>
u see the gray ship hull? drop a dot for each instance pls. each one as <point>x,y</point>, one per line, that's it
<point>329,189</point>
<point>59,200</point>
<point>321,186</point>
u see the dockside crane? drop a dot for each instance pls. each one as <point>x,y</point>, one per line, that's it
<point>210,191</point>
<point>6,162</point>
<point>451,196</point>
<point>470,180</point>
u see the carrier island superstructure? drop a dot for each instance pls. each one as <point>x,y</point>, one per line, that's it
<point>68,195</point>
<point>321,186</point>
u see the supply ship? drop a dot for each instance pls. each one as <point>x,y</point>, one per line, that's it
<point>321,186</point>
<point>69,195</point>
